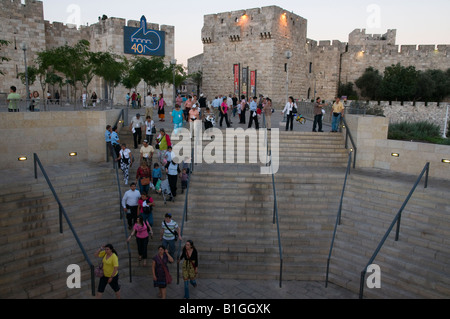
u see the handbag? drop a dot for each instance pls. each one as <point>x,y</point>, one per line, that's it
<point>175,233</point>
<point>166,272</point>
<point>145,181</point>
<point>99,270</point>
<point>153,130</point>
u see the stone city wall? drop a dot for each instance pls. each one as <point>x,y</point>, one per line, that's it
<point>25,23</point>
<point>397,112</point>
<point>53,135</point>
<point>374,149</point>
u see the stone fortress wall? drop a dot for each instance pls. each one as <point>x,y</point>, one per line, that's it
<point>316,67</point>
<point>25,23</point>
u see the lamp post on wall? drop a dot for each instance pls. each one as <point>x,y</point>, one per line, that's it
<point>444,135</point>
<point>173,62</point>
<point>288,55</point>
<point>23,46</point>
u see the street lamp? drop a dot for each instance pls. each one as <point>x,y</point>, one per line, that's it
<point>173,62</point>
<point>23,46</point>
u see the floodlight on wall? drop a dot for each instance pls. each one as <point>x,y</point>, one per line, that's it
<point>395,154</point>
<point>22,159</point>
<point>73,154</point>
<point>446,161</point>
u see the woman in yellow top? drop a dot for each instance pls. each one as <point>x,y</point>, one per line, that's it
<point>110,270</point>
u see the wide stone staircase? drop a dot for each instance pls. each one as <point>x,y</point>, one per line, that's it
<point>35,256</point>
<point>231,210</point>
<point>231,221</point>
<point>416,266</point>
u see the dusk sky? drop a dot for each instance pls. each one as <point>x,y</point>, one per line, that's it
<point>416,21</point>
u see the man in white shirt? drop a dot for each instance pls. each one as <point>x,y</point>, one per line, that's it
<point>147,153</point>
<point>136,127</point>
<point>130,204</point>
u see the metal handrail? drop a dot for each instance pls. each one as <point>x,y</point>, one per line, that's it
<point>121,212</point>
<point>185,214</point>
<point>62,212</point>
<point>124,116</point>
<point>275,220</point>
<point>275,204</point>
<point>396,220</point>
<point>338,218</point>
<point>348,134</point>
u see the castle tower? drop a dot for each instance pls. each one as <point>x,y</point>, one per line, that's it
<point>255,40</point>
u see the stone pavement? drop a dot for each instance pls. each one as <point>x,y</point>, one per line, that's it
<point>230,289</point>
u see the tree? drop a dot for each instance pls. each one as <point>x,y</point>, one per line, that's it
<point>369,83</point>
<point>441,81</point>
<point>3,58</point>
<point>111,68</point>
<point>399,83</point>
<point>347,90</point>
<point>426,87</point>
<point>197,78</point>
<point>73,62</point>
<point>130,78</point>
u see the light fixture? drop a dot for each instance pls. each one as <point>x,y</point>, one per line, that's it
<point>395,154</point>
<point>73,154</point>
<point>446,161</point>
<point>22,159</point>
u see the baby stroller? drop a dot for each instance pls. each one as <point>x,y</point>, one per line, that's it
<point>210,122</point>
<point>165,191</point>
<point>299,118</point>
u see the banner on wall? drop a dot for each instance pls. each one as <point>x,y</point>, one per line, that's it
<point>143,41</point>
<point>253,83</point>
<point>244,90</point>
<point>237,76</point>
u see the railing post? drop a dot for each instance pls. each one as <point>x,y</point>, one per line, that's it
<point>361,284</point>
<point>35,165</point>
<point>60,220</point>
<point>92,280</point>
<point>427,174</point>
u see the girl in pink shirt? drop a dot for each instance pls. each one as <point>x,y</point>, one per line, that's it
<point>141,230</point>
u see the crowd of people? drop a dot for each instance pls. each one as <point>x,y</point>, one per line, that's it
<point>159,161</point>
<point>155,162</point>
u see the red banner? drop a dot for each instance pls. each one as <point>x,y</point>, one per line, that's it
<point>237,71</point>
<point>253,83</point>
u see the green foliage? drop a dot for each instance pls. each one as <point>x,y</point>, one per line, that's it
<point>348,91</point>
<point>417,132</point>
<point>401,83</point>
<point>370,83</point>
<point>3,58</point>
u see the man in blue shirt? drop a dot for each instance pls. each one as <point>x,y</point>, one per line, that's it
<point>216,105</point>
<point>108,140</point>
<point>253,114</point>
<point>115,142</point>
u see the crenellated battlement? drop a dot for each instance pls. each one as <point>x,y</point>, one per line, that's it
<point>15,9</point>
<point>258,23</point>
